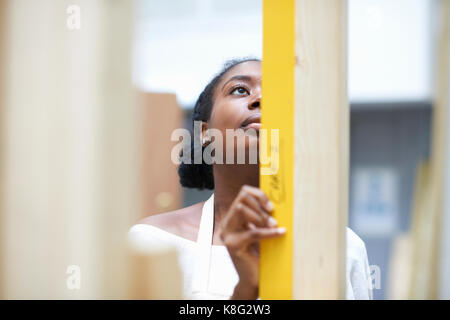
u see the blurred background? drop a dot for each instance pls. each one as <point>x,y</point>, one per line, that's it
<point>88,105</point>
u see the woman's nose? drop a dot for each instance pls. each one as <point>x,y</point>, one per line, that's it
<point>255,104</point>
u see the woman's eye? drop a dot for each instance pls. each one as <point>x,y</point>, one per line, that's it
<point>239,91</point>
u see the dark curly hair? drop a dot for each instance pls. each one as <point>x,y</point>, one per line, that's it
<point>200,176</point>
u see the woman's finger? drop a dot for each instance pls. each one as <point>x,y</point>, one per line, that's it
<point>253,203</point>
<point>242,215</point>
<point>252,216</point>
<point>259,195</point>
<point>238,240</point>
<point>263,233</point>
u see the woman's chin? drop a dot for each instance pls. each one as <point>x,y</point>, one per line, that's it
<point>252,130</point>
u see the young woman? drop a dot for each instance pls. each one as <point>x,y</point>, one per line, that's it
<point>218,240</point>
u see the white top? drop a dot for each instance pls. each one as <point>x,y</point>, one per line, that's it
<point>209,273</point>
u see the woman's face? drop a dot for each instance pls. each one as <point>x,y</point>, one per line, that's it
<point>237,106</point>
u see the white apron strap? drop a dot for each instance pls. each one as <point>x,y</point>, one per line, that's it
<point>204,241</point>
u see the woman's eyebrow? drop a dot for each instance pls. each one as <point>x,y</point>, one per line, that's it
<point>238,77</point>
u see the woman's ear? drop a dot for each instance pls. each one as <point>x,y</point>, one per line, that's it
<point>204,136</point>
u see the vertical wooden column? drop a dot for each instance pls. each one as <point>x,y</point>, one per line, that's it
<point>160,187</point>
<point>305,97</point>
<point>3,26</point>
<point>117,122</point>
<point>430,221</point>
<point>442,278</point>
<point>68,149</point>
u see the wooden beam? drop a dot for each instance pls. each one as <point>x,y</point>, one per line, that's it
<point>3,30</point>
<point>305,97</point>
<point>442,277</point>
<point>422,230</point>
<point>428,218</point>
<point>160,186</point>
<point>439,124</point>
<point>156,273</point>
<point>68,151</point>
<point>400,267</point>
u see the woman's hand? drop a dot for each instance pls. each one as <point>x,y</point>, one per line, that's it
<point>247,222</point>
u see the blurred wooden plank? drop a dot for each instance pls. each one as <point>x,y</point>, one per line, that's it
<point>440,123</point>
<point>400,267</point>
<point>427,214</point>
<point>3,31</point>
<point>421,231</point>
<point>68,169</point>
<point>156,271</point>
<point>441,279</point>
<point>160,187</point>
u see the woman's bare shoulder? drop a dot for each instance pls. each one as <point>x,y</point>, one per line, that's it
<point>183,222</point>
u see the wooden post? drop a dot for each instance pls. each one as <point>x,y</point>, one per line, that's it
<point>422,230</point>
<point>442,277</point>
<point>305,97</point>
<point>400,267</point>
<point>429,218</point>
<point>68,149</point>
<point>3,26</point>
<point>160,187</point>
<point>156,272</point>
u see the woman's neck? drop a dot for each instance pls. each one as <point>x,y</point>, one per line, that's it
<point>228,180</point>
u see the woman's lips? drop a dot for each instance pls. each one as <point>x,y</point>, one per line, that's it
<point>254,125</point>
<point>254,121</point>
